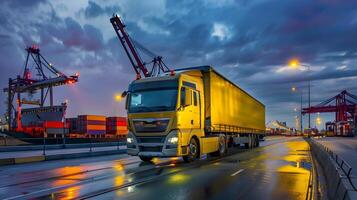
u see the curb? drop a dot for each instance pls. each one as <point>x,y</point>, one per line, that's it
<point>57,146</point>
<point>32,159</point>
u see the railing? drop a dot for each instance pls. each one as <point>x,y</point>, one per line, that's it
<point>345,167</point>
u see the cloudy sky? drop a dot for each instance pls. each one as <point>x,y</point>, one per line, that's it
<point>249,41</point>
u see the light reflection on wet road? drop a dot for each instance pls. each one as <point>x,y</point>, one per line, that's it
<point>280,170</point>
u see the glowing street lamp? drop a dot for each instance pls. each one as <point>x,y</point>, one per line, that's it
<point>294,64</point>
<point>118,97</point>
<point>294,89</point>
<point>318,119</point>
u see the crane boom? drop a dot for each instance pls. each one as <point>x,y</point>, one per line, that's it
<point>128,44</point>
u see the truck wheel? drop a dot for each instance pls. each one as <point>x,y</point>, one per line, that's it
<point>193,151</point>
<point>146,158</point>
<point>258,141</point>
<point>222,147</point>
<point>248,145</point>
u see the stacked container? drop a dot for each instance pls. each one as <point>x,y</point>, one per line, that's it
<point>116,126</point>
<point>91,124</point>
<point>73,124</point>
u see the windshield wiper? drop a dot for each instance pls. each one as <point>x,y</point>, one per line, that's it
<point>143,108</point>
<point>162,107</point>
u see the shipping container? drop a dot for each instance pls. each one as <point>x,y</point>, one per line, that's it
<point>91,124</point>
<point>116,126</point>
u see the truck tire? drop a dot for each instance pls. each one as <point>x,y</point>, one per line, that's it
<point>193,151</point>
<point>146,158</point>
<point>248,145</point>
<point>222,147</point>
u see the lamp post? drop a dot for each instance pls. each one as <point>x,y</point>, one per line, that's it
<point>295,64</point>
<point>294,89</point>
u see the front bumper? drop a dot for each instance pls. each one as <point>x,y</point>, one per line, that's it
<point>163,153</point>
<point>152,147</point>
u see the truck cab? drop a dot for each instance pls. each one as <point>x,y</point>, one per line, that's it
<point>164,114</point>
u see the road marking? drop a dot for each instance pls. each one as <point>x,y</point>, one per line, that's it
<point>237,172</point>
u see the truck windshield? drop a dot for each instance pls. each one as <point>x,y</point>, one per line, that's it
<point>152,100</point>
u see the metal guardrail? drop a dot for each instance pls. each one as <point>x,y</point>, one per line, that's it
<point>345,167</point>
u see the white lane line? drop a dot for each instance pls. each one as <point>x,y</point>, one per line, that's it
<point>237,172</point>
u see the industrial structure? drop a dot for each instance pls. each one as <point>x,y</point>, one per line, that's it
<point>344,105</point>
<point>131,49</point>
<point>38,75</point>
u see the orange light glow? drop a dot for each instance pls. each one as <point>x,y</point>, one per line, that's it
<point>294,63</point>
<point>118,97</point>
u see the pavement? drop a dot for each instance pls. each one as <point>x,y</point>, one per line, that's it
<point>20,157</point>
<point>280,169</point>
<point>345,147</point>
<point>21,154</point>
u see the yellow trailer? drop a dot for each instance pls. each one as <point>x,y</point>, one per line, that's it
<point>230,108</point>
<point>192,112</point>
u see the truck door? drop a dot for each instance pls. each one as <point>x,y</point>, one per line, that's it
<point>196,109</point>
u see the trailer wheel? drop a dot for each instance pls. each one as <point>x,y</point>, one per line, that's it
<point>193,151</point>
<point>222,147</point>
<point>257,141</point>
<point>248,145</point>
<point>146,158</point>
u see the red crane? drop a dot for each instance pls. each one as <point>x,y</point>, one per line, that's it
<point>158,66</point>
<point>45,78</point>
<point>343,104</point>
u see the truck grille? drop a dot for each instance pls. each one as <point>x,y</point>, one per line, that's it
<point>151,149</point>
<point>151,139</point>
<point>150,125</point>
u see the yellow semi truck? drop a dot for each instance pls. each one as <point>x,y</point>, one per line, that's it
<point>191,112</point>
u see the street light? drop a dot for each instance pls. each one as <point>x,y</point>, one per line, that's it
<point>294,64</point>
<point>118,97</point>
<point>294,89</point>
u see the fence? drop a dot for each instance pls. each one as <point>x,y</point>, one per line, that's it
<point>338,173</point>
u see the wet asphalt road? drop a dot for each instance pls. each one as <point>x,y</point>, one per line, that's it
<point>278,170</point>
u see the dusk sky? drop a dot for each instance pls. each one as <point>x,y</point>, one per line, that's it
<point>249,41</point>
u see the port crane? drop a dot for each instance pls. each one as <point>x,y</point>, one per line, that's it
<point>344,105</point>
<point>46,77</point>
<point>131,49</point>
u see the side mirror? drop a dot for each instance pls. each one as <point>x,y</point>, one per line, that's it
<point>186,97</point>
<point>127,95</point>
<point>124,94</point>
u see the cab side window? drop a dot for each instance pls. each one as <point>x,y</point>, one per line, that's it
<point>195,98</point>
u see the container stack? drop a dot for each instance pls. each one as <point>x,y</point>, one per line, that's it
<point>73,124</point>
<point>116,126</point>
<point>91,125</point>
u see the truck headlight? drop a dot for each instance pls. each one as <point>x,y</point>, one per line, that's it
<point>172,138</point>
<point>129,140</point>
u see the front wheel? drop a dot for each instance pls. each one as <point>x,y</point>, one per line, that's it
<point>193,151</point>
<point>145,158</point>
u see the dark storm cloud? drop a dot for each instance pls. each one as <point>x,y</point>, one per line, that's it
<point>94,10</point>
<point>252,41</point>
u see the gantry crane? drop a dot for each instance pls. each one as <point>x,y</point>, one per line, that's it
<point>344,105</point>
<point>130,47</point>
<point>46,78</point>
